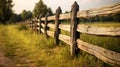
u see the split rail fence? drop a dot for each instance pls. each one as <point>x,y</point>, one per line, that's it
<point>41,25</point>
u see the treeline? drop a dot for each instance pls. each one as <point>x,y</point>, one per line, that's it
<point>7,14</point>
<point>97,19</point>
<point>110,18</point>
<point>20,17</point>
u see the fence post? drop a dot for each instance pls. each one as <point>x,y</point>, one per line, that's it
<point>46,22</point>
<point>33,25</point>
<point>73,28</point>
<point>57,22</point>
<point>40,24</point>
<point>37,25</point>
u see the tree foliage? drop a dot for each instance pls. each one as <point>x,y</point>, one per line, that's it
<point>15,18</point>
<point>5,10</point>
<point>20,17</point>
<point>116,17</point>
<point>41,9</point>
<point>108,18</point>
<point>26,15</point>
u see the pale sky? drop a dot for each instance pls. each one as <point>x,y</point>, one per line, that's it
<point>20,5</point>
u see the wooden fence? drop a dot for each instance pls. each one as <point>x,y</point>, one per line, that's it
<point>41,25</point>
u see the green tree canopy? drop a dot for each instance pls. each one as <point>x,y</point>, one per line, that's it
<point>26,15</point>
<point>5,10</point>
<point>41,9</point>
<point>15,18</point>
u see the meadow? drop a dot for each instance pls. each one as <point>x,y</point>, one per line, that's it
<point>29,49</point>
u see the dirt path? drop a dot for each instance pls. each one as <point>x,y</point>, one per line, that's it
<point>4,61</point>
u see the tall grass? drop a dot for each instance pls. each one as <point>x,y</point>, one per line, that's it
<point>108,42</point>
<point>29,49</point>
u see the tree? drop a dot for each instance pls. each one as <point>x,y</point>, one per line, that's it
<point>66,12</point>
<point>5,10</point>
<point>50,11</point>
<point>41,8</point>
<point>15,18</point>
<point>116,17</point>
<point>26,15</point>
<point>29,14</point>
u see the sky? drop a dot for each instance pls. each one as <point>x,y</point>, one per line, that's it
<point>20,5</point>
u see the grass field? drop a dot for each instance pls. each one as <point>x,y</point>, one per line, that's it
<point>29,49</point>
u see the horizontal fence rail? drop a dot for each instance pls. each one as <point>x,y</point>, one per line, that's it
<point>109,10</point>
<point>82,28</point>
<point>108,56</point>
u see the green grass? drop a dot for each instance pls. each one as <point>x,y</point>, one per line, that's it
<point>108,42</point>
<point>61,31</point>
<point>28,49</point>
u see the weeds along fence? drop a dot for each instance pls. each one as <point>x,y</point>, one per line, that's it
<point>41,25</point>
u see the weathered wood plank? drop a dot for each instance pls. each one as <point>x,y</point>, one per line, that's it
<point>61,26</point>
<point>51,25</point>
<point>42,30</point>
<point>50,33</point>
<point>65,16</point>
<point>105,55</point>
<point>62,17</point>
<point>82,28</point>
<point>65,27</point>
<point>110,31</point>
<point>49,18</point>
<point>82,14</point>
<point>43,19</point>
<point>105,9</point>
<point>114,9</point>
<point>43,25</point>
<point>62,37</point>
<point>65,38</point>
